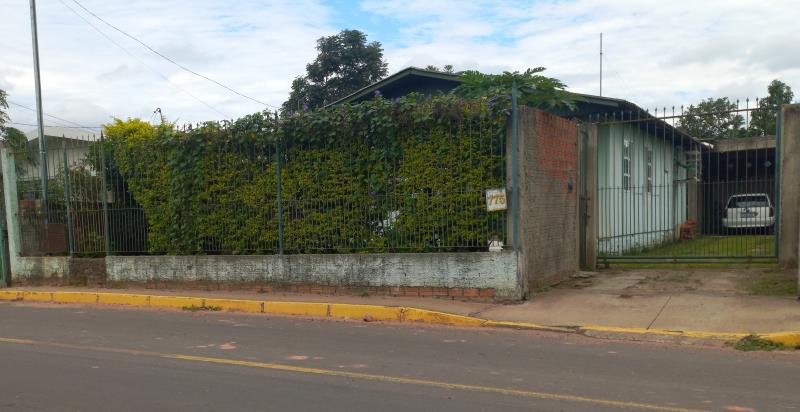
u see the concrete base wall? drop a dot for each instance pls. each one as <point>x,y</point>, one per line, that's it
<point>497,271</point>
<point>790,190</point>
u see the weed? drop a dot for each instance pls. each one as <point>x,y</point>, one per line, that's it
<point>754,342</point>
<point>194,308</point>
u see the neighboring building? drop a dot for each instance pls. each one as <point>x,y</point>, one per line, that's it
<point>644,164</point>
<point>76,142</point>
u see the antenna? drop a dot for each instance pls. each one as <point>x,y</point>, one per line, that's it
<point>601,64</point>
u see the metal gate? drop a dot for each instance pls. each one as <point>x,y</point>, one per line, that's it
<point>688,186</point>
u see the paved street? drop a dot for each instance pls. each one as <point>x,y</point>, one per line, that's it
<point>59,357</point>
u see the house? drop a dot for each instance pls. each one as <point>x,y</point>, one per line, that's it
<point>75,142</point>
<point>645,166</point>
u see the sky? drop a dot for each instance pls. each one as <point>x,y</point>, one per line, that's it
<point>656,53</point>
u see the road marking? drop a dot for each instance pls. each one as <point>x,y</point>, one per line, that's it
<point>360,376</point>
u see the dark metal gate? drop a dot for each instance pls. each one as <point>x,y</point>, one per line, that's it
<point>688,186</point>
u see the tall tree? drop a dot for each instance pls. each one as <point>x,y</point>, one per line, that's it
<point>764,119</point>
<point>3,107</point>
<point>713,119</point>
<point>345,63</point>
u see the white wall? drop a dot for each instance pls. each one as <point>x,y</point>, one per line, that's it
<point>636,217</point>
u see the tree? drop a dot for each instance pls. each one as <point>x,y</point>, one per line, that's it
<point>447,68</point>
<point>535,89</point>
<point>763,121</point>
<point>3,107</point>
<point>713,119</point>
<point>344,64</point>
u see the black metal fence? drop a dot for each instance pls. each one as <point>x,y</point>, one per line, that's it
<point>253,194</point>
<point>684,184</point>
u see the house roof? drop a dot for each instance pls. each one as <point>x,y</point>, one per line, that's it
<point>588,107</point>
<point>62,132</point>
<point>402,82</point>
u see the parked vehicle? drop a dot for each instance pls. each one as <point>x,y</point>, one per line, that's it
<point>749,211</point>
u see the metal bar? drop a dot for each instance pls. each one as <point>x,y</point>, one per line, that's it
<point>279,192</point>
<point>104,195</point>
<point>514,164</point>
<point>777,173</point>
<point>68,199</point>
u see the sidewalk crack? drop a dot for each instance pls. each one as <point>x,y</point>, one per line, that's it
<point>659,312</point>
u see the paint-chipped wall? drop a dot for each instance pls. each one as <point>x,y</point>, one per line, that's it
<point>549,233</point>
<point>445,270</point>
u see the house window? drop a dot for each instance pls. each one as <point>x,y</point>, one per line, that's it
<point>626,165</point>
<point>649,170</point>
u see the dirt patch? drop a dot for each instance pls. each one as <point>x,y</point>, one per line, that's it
<point>771,283</point>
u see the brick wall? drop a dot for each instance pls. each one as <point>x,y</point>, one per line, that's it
<point>549,231</point>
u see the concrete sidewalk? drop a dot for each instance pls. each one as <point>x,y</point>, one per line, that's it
<point>696,300</point>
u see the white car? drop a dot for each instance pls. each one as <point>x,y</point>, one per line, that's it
<point>749,211</point>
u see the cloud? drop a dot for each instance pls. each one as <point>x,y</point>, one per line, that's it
<point>657,53</point>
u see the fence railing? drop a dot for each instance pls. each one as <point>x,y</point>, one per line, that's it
<point>345,185</point>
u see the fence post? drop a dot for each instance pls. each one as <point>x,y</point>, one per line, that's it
<point>514,166</point>
<point>104,194</point>
<point>68,198</point>
<point>11,208</point>
<point>279,193</point>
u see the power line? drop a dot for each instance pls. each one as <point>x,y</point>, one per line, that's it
<point>76,125</point>
<point>165,78</point>
<point>55,125</point>
<point>171,60</point>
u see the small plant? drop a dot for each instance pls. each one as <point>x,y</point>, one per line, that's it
<point>195,308</point>
<point>753,342</point>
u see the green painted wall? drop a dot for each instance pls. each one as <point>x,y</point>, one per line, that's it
<point>638,215</point>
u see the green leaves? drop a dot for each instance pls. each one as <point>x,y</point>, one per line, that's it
<point>383,175</point>
<point>536,90</point>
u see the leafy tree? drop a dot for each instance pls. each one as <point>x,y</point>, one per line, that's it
<point>23,154</point>
<point>764,119</point>
<point>345,63</point>
<point>535,89</point>
<point>448,68</point>
<point>3,108</point>
<point>712,119</point>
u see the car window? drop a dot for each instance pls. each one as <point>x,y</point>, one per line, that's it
<point>748,201</point>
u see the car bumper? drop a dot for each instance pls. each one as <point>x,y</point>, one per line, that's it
<point>748,223</point>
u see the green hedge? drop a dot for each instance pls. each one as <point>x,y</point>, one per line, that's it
<point>384,175</point>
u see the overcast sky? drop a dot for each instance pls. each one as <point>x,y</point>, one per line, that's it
<point>657,53</point>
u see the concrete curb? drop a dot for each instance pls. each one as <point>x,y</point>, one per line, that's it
<point>374,313</point>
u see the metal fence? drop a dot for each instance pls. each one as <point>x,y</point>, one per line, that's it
<point>250,193</point>
<point>683,184</point>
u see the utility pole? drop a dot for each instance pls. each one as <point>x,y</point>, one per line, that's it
<point>601,64</point>
<point>39,114</point>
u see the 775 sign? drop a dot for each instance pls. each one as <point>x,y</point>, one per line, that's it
<point>496,200</point>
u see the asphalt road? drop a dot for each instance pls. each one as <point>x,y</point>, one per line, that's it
<point>71,358</point>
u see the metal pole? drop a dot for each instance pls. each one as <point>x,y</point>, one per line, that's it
<point>601,64</point>
<point>104,194</point>
<point>278,186</point>
<point>68,198</point>
<point>39,114</point>
<point>514,166</point>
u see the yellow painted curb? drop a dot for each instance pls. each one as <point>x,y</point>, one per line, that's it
<point>385,313</point>
<point>355,311</point>
<point>236,305</point>
<point>123,299</point>
<point>74,297</point>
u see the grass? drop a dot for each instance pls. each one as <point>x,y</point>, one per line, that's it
<point>741,246</point>
<point>754,343</point>
<point>195,308</point>
<point>772,283</point>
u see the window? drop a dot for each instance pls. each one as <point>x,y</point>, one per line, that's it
<point>626,165</point>
<point>649,170</point>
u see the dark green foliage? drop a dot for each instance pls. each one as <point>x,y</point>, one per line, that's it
<point>405,175</point>
<point>535,89</point>
<point>345,63</point>
<point>3,107</point>
<point>712,119</point>
<point>764,119</point>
